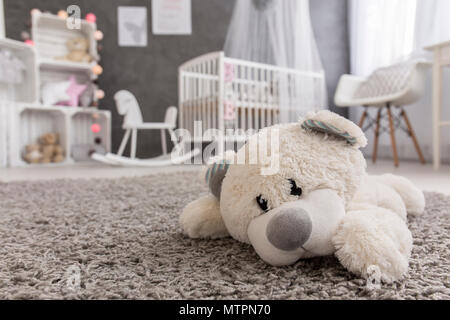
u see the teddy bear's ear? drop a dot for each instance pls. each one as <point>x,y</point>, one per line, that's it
<point>217,168</point>
<point>333,124</point>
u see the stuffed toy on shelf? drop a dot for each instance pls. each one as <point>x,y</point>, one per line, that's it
<point>33,153</point>
<point>50,148</point>
<point>311,197</point>
<point>78,48</point>
<point>47,150</point>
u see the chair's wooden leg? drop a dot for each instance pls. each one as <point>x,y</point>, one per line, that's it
<point>163,141</point>
<point>413,137</point>
<point>363,118</point>
<point>123,144</point>
<point>392,132</point>
<point>377,134</point>
<point>133,143</point>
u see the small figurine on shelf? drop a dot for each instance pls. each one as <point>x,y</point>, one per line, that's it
<point>50,148</point>
<point>78,49</point>
<point>33,153</point>
<point>47,150</point>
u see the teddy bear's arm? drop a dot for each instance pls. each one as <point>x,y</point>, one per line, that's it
<point>201,219</point>
<point>374,237</point>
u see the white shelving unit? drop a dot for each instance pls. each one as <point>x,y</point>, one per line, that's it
<point>72,125</point>
<point>10,94</point>
<point>27,91</point>
<point>23,118</point>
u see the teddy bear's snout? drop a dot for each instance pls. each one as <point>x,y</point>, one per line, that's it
<point>289,229</point>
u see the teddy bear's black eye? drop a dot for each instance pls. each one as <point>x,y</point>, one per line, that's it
<point>295,191</point>
<point>262,203</point>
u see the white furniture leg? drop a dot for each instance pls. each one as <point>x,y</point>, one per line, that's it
<point>133,143</point>
<point>441,59</point>
<point>163,141</point>
<point>437,100</point>
<point>125,138</point>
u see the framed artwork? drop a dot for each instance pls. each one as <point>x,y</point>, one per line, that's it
<point>171,17</point>
<point>132,24</point>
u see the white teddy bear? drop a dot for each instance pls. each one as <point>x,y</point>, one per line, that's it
<point>318,201</point>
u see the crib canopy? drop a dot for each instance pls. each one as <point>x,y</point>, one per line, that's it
<point>279,32</point>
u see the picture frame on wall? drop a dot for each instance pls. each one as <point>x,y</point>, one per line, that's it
<point>171,17</point>
<point>132,26</point>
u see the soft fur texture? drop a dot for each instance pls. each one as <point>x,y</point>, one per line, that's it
<point>123,235</point>
<point>373,232</point>
<point>202,218</point>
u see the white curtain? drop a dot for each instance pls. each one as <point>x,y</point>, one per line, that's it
<point>386,31</point>
<point>279,32</point>
<point>432,22</point>
<point>381,32</point>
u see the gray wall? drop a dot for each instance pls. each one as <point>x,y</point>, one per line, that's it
<point>329,20</point>
<point>151,72</point>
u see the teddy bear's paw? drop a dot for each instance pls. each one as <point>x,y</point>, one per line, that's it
<point>412,196</point>
<point>374,238</point>
<point>201,219</point>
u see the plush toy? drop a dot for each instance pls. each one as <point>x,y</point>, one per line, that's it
<point>50,149</point>
<point>78,50</point>
<point>32,153</point>
<point>311,197</point>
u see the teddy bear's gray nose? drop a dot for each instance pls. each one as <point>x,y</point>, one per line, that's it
<point>289,229</point>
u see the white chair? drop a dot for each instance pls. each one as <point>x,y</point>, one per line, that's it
<point>349,84</point>
<point>128,107</point>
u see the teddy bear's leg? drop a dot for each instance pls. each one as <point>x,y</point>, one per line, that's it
<point>201,219</point>
<point>412,196</point>
<point>374,237</point>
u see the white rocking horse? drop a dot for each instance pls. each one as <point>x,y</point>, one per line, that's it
<point>128,107</point>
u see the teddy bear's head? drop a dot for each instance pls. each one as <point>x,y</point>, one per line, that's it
<point>288,203</point>
<point>78,44</point>
<point>50,138</point>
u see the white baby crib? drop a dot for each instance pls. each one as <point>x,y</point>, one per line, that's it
<point>226,93</point>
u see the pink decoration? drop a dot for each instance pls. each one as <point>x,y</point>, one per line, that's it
<point>229,112</point>
<point>98,35</point>
<point>96,128</point>
<point>97,69</point>
<point>74,91</point>
<point>229,72</point>
<point>25,35</point>
<point>35,11</point>
<point>29,42</point>
<point>62,14</point>
<point>90,17</point>
<point>100,94</point>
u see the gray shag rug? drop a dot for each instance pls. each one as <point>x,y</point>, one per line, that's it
<point>120,239</point>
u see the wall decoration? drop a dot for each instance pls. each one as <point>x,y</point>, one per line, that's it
<point>132,24</point>
<point>171,17</point>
